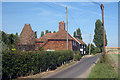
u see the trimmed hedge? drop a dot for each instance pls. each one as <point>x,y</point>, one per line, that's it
<point>16,64</point>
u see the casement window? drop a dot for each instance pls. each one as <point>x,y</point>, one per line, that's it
<point>84,52</point>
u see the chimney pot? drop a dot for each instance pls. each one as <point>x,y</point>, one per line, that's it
<point>61,25</point>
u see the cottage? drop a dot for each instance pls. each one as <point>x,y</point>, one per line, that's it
<point>81,46</point>
<point>58,41</point>
<point>50,41</point>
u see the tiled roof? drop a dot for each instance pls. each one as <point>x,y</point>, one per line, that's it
<point>46,36</point>
<point>80,41</point>
<point>61,34</point>
<point>27,36</point>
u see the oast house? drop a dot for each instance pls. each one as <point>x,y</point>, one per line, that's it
<point>50,41</point>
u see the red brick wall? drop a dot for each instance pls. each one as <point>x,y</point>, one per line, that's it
<point>57,45</point>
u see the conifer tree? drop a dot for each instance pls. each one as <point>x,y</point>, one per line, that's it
<point>98,36</point>
<point>79,33</point>
<point>46,31</point>
<point>42,34</point>
<point>74,34</point>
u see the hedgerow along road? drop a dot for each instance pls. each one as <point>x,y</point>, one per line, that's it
<point>79,70</point>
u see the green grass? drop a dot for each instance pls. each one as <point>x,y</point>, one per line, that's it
<point>104,69</point>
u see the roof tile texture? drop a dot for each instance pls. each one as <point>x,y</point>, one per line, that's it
<point>27,36</point>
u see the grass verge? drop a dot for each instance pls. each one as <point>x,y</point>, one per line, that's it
<point>104,69</point>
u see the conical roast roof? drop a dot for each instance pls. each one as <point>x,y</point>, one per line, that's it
<point>27,36</point>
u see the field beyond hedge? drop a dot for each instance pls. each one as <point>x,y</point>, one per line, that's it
<point>16,64</point>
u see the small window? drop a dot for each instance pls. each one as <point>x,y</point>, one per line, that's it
<point>84,52</point>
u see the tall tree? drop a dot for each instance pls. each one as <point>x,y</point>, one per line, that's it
<point>46,31</point>
<point>98,36</point>
<point>54,31</point>
<point>74,34</point>
<point>79,33</point>
<point>42,34</point>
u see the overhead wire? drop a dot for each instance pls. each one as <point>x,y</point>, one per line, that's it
<point>57,9</point>
<point>95,2</point>
<point>75,22</point>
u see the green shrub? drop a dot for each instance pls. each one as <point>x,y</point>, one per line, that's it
<point>77,56</point>
<point>23,63</point>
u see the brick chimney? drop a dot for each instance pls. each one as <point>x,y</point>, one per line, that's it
<point>61,25</point>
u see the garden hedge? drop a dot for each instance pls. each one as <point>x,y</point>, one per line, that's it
<point>16,64</point>
<point>77,56</point>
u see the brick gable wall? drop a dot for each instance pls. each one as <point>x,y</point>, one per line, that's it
<point>57,45</point>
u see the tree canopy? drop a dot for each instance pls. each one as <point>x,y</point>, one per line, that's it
<point>46,31</point>
<point>78,31</point>
<point>49,31</point>
<point>9,40</point>
<point>54,31</point>
<point>42,33</point>
<point>98,36</point>
<point>74,34</point>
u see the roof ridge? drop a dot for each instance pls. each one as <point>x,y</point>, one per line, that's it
<point>80,40</point>
<point>45,36</point>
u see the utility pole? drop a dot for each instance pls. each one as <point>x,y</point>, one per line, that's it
<point>90,45</point>
<point>67,27</point>
<point>102,7</point>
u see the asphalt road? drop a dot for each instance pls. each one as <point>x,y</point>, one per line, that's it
<point>78,70</point>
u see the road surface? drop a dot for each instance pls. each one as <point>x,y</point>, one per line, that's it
<point>79,70</point>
